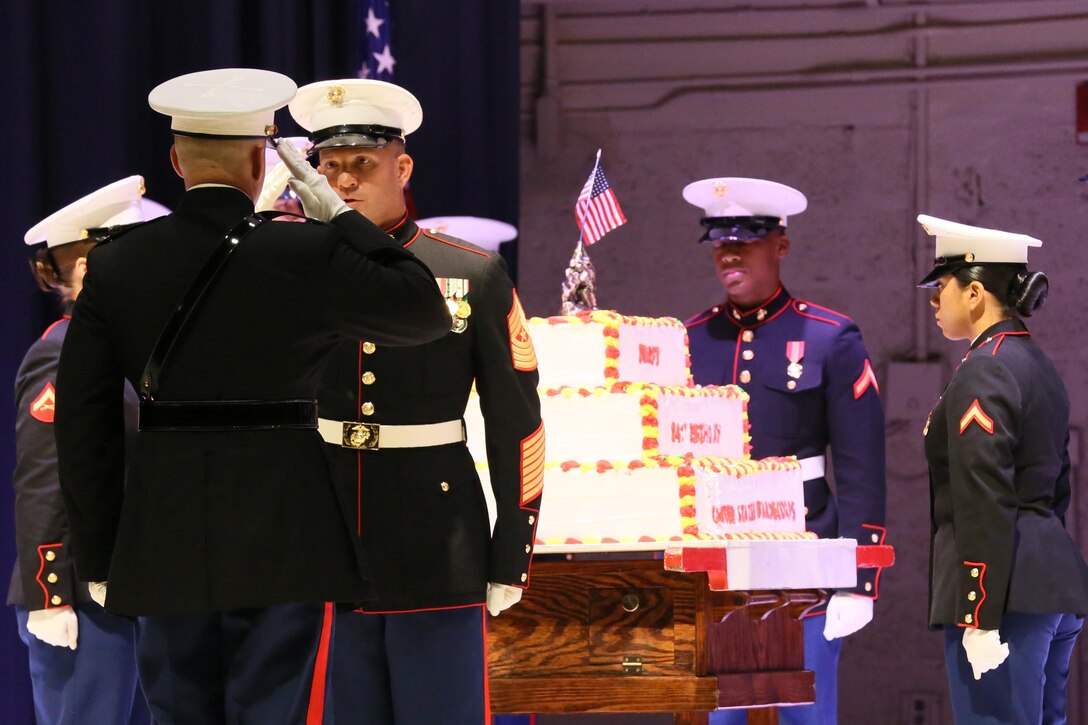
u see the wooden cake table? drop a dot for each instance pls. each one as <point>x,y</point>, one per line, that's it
<point>712,624</point>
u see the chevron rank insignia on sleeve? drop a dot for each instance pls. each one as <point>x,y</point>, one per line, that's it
<point>975,414</point>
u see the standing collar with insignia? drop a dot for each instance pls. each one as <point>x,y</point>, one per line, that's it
<point>404,231</point>
<point>1012,326</point>
<point>760,313</point>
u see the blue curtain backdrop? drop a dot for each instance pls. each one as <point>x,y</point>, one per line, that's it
<point>75,117</point>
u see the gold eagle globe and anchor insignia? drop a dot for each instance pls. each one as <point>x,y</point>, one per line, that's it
<point>360,436</point>
<point>335,96</point>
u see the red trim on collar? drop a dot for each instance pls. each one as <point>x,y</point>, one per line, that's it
<point>764,303</point>
<point>50,328</point>
<point>467,249</point>
<point>761,323</point>
<point>1003,335</point>
<point>411,241</point>
<point>398,225</point>
<point>1000,337</point>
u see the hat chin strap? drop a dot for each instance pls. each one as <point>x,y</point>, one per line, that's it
<point>363,129</point>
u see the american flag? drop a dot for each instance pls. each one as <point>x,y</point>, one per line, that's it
<point>377,55</point>
<point>597,210</point>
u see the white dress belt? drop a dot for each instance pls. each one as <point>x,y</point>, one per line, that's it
<point>372,436</point>
<point>812,467</point>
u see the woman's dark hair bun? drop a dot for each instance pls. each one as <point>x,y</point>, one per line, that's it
<point>1027,293</point>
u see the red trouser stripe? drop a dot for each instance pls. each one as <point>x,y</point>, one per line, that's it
<point>487,689</point>
<point>315,713</point>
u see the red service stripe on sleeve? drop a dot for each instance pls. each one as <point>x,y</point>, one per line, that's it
<point>522,352</point>
<point>975,414</point>
<point>867,378</point>
<point>532,465</point>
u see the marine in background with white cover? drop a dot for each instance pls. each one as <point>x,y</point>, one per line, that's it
<point>1008,585</point>
<point>811,386</point>
<point>82,659</point>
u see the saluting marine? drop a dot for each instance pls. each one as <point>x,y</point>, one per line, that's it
<point>1008,585</point>
<point>393,419</point>
<point>811,385</point>
<point>227,538</point>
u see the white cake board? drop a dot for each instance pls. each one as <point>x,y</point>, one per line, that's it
<point>748,564</point>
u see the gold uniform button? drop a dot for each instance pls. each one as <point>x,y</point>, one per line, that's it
<point>49,556</point>
<point>876,538</point>
<point>528,548</point>
<point>868,586</point>
<point>444,486</point>
<point>968,618</point>
<point>747,354</point>
<point>56,600</point>
<point>369,348</point>
<point>367,408</point>
<point>974,572</point>
<point>791,384</point>
<point>745,376</point>
<point>524,577</point>
<point>52,578</point>
<point>532,520</point>
<point>971,596</point>
<point>802,307</point>
<point>368,378</point>
<point>748,336</point>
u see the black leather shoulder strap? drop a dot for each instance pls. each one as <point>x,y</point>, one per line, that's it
<point>179,318</point>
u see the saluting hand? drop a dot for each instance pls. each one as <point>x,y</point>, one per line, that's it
<point>319,201</point>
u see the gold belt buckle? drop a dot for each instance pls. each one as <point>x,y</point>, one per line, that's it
<point>360,436</point>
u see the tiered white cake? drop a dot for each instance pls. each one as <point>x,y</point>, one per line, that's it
<point>634,452</point>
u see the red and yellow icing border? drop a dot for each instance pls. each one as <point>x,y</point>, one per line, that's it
<point>685,469</point>
<point>648,405</point>
<point>611,322</point>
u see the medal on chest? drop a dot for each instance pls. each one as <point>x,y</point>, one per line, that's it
<point>455,291</point>
<point>795,351</point>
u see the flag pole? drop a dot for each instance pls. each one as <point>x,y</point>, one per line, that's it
<point>579,249</point>
<point>580,286</point>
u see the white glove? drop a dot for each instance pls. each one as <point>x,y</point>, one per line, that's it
<point>318,198</point>
<point>97,591</point>
<point>984,650</point>
<point>500,597</point>
<point>846,614</point>
<point>58,627</point>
